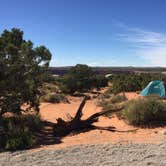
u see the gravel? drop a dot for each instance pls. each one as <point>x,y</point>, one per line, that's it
<point>98,155</point>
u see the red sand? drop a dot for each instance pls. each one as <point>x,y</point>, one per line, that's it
<point>51,112</point>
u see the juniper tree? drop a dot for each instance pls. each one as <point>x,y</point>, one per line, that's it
<point>23,68</point>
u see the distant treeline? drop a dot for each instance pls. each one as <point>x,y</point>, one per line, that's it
<point>107,70</point>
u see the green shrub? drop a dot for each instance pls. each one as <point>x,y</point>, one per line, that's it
<point>103,97</point>
<point>33,122</point>
<point>145,111</point>
<point>108,101</point>
<point>99,81</point>
<point>51,87</point>
<point>20,140</point>
<point>105,104</point>
<point>118,98</point>
<point>18,132</point>
<point>54,98</point>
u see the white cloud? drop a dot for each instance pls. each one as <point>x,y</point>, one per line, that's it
<point>157,56</point>
<point>149,45</point>
<point>94,64</point>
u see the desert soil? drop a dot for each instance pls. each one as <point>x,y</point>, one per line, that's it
<point>95,147</point>
<point>50,112</point>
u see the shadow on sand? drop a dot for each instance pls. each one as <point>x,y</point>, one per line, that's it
<point>52,133</point>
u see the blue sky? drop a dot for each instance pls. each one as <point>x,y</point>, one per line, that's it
<point>93,32</point>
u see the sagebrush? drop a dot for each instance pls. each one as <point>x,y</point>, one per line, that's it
<point>145,112</point>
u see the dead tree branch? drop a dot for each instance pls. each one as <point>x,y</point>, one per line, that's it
<point>76,124</point>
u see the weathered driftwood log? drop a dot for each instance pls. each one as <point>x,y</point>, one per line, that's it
<point>76,124</point>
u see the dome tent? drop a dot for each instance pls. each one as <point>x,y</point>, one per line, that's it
<point>155,87</point>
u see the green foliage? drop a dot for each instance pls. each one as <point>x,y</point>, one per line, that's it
<point>23,69</point>
<point>20,140</point>
<point>31,121</point>
<point>99,81</point>
<point>17,132</point>
<point>52,87</point>
<point>51,93</point>
<point>78,79</point>
<point>145,111</point>
<point>81,78</point>
<point>118,98</point>
<point>107,105</point>
<point>54,98</point>
<point>133,82</point>
<point>111,101</point>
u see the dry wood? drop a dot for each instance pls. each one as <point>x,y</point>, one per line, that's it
<point>76,124</point>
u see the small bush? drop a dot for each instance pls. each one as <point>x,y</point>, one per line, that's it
<point>20,140</point>
<point>144,112</point>
<point>49,88</point>
<point>105,103</point>
<point>18,132</point>
<point>54,98</point>
<point>118,98</point>
<point>108,105</point>
<point>108,101</point>
<point>33,122</point>
<point>103,97</point>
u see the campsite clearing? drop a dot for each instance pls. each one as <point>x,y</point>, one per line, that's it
<point>51,112</point>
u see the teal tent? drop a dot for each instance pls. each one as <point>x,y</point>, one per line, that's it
<point>155,87</point>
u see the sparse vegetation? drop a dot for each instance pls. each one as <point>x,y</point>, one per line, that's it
<point>51,93</point>
<point>145,112</point>
<point>110,101</point>
<point>25,81</point>
<point>118,98</point>
<point>51,87</point>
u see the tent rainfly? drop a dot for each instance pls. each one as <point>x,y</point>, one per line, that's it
<point>155,87</point>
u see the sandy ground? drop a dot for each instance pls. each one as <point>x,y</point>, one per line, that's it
<point>52,111</point>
